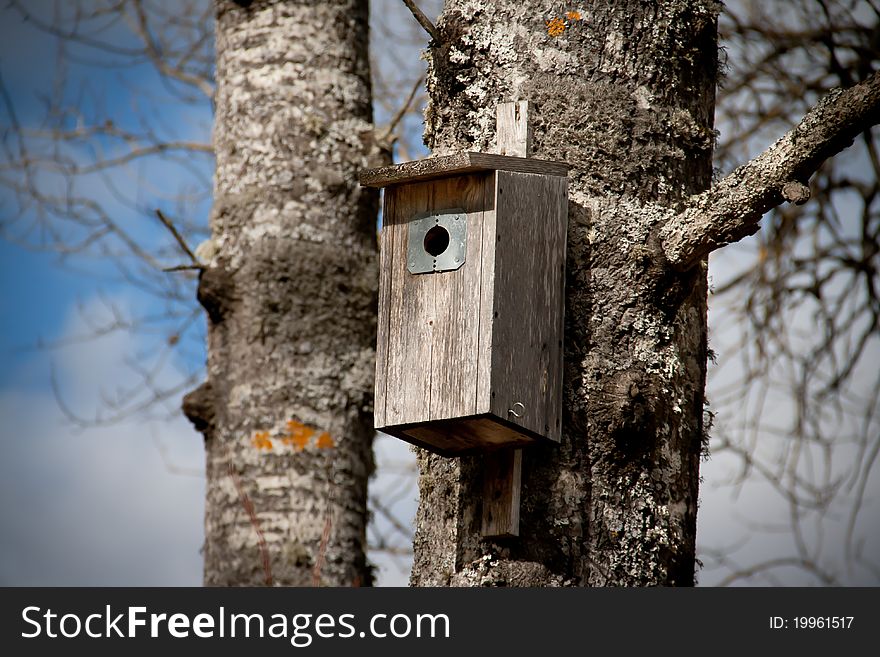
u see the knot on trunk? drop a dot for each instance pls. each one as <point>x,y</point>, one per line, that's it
<point>216,293</point>
<point>198,406</point>
<point>631,412</point>
<point>796,192</point>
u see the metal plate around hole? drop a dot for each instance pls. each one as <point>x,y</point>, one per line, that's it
<point>419,261</point>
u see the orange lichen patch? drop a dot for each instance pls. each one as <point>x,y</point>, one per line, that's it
<point>324,441</point>
<point>298,434</point>
<point>573,15</point>
<point>261,440</point>
<point>298,441</point>
<point>296,429</point>
<point>555,27</point>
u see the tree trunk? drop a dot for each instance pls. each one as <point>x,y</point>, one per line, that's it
<point>290,294</point>
<point>624,93</point>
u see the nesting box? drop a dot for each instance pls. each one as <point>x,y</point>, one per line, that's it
<point>472,264</point>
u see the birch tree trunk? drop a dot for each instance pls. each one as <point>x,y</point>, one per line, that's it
<point>290,294</point>
<point>624,93</point>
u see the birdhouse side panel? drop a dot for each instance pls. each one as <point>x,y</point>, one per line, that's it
<point>527,325</point>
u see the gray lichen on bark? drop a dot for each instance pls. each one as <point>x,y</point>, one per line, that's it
<point>292,323</point>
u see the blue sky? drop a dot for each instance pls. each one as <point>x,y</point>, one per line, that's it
<point>119,504</point>
<point>122,504</point>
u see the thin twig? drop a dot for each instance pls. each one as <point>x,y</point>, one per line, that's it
<point>142,29</point>
<point>392,126</point>
<point>183,245</point>
<point>198,267</point>
<point>419,15</point>
<point>170,466</point>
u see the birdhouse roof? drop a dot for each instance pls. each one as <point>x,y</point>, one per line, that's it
<point>456,164</point>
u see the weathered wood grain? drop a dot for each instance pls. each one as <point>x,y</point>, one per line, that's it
<point>454,165</point>
<point>528,300</point>
<point>513,132</point>
<point>457,305</point>
<point>410,328</point>
<point>502,470</point>
<point>487,286</point>
<point>432,339</point>
<point>459,436</point>
<point>386,249</point>
<point>502,476</point>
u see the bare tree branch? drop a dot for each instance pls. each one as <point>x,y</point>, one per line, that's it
<point>385,135</point>
<point>182,242</point>
<point>423,20</point>
<point>731,209</point>
<point>161,62</point>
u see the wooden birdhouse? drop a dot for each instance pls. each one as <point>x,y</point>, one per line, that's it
<point>471,282</point>
<point>469,353</point>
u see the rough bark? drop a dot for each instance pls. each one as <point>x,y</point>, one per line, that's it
<point>625,95</point>
<point>290,295</point>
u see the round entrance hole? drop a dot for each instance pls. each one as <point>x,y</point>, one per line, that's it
<point>436,240</point>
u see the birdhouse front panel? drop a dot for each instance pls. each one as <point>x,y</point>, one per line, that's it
<point>469,349</point>
<point>431,356</point>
